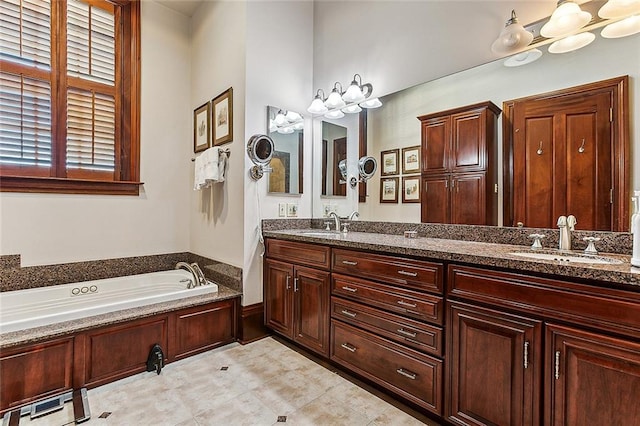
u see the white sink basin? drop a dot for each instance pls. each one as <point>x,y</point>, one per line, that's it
<point>570,258</point>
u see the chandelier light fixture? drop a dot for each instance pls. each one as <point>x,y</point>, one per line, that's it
<point>567,29</point>
<point>339,101</point>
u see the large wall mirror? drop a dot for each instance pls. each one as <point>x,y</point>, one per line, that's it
<point>395,124</point>
<point>333,162</point>
<point>286,131</point>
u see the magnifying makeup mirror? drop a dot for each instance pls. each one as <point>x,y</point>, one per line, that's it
<point>260,151</point>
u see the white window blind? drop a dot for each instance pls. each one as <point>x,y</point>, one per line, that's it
<point>90,130</point>
<point>25,32</point>
<point>25,120</point>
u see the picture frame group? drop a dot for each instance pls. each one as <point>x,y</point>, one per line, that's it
<point>393,161</point>
<point>213,122</point>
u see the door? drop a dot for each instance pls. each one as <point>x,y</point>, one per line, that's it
<point>562,161</point>
<point>339,154</point>
<point>468,141</point>
<point>591,379</point>
<point>436,141</point>
<point>495,363</point>
<point>435,199</point>
<point>278,296</point>
<point>311,328</point>
<point>469,199</point>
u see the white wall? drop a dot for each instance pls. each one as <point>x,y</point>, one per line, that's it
<point>279,73</point>
<point>57,228</point>
<point>395,124</point>
<point>217,63</point>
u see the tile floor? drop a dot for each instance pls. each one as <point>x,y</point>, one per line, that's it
<point>264,380</point>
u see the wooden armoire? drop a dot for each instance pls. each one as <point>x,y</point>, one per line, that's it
<point>459,165</point>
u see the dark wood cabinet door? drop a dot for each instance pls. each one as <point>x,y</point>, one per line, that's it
<point>495,363</point>
<point>591,379</point>
<point>436,145</point>
<point>468,199</point>
<point>468,141</point>
<point>278,296</point>
<point>311,328</point>
<point>434,207</point>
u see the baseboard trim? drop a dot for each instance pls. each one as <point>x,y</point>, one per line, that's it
<point>251,324</point>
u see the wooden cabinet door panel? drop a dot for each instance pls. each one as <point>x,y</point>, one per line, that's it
<point>311,328</point>
<point>436,140</point>
<point>434,207</point>
<point>591,379</point>
<point>314,255</point>
<point>495,364</point>
<point>468,199</point>
<point>468,142</point>
<point>35,372</point>
<point>278,296</point>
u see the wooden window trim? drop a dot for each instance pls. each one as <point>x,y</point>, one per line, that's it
<point>126,177</point>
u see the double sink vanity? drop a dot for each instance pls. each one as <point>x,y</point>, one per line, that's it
<point>473,332</point>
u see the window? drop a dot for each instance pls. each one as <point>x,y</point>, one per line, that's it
<point>69,96</point>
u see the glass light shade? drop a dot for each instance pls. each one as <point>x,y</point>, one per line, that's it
<point>567,18</point>
<point>334,114</point>
<point>353,94</point>
<point>571,43</point>
<point>371,103</point>
<point>317,106</point>
<point>626,27</point>
<point>334,100</point>
<point>298,126</point>
<point>352,109</point>
<point>280,119</point>
<point>285,130</point>
<point>614,9</point>
<point>512,38</point>
<point>523,58</point>
<point>293,116</point>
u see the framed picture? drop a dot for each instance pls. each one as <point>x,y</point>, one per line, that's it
<point>222,117</point>
<point>389,190</point>
<point>411,189</point>
<point>201,128</point>
<point>411,160</point>
<point>389,161</point>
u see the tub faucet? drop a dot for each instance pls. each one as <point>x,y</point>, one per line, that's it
<point>201,279</point>
<point>185,265</point>
<point>336,220</point>
<point>567,226</point>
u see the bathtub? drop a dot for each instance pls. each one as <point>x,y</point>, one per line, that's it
<point>23,309</point>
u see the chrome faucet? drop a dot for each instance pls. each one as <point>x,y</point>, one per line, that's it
<point>198,276</point>
<point>567,226</point>
<point>336,220</point>
<point>354,215</point>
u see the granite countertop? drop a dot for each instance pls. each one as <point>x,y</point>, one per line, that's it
<point>478,253</point>
<point>66,328</point>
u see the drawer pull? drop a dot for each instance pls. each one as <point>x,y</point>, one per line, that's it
<point>295,284</point>
<point>403,303</point>
<point>406,373</point>
<point>349,347</point>
<point>557,366</point>
<point>349,262</point>
<point>526,354</point>
<point>351,289</point>
<point>288,284</point>
<point>406,333</point>
<point>349,314</point>
<point>409,274</point>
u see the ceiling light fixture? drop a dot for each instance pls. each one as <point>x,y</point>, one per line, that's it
<point>339,102</point>
<point>567,18</point>
<point>512,38</point>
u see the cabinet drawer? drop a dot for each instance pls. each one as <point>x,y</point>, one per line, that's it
<point>422,306</point>
<point>393,270</point>
<point>301,253</point>
<point>413,375</point>
<point>412,333</point>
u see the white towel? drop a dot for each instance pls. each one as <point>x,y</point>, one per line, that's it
<point>206,169</point>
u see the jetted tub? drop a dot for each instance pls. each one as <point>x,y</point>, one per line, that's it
<point>22,309</point>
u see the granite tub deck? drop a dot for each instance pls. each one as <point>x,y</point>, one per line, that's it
<point>474,253</point>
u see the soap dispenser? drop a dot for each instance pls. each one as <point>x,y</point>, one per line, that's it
<point>635,229</point>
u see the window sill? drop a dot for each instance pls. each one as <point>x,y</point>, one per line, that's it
<point>68,186</point>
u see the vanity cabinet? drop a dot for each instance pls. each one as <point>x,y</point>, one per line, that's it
<point>551,352</point>
<point>296,297</point>
<point>387,314</point>
<point>459,165</point>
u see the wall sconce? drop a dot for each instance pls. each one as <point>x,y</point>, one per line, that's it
<point>340,102</point>
<point>567,18</point>
<point>286,122</point>
<point>513,37</point>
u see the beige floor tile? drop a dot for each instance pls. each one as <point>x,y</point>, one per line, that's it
<point>326,410</point>
<point>244,410</point>
<point>396,417</point>
<point>358,399</point>
<point>287,393</point>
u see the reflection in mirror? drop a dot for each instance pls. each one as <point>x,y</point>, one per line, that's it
<point>286,130</point>
<point>367,167</point>
<point>334,151</point>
